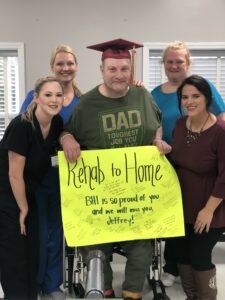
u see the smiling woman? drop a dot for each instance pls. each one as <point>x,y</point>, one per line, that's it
<point>25,157</point>
<point>63,64</point>
<point>196,104</point>
<point>198,149</point>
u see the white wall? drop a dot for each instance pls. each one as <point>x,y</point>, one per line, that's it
<point>42,24</point>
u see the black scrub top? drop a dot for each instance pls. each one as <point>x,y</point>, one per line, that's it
<point>21,137</point>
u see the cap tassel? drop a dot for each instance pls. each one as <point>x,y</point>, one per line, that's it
<point>133,67</point>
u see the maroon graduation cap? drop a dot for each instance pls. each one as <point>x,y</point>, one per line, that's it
<point>118,48</point>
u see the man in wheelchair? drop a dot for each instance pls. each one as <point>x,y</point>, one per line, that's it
<point>115,109</point>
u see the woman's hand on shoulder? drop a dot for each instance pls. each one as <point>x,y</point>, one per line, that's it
<point>138,83</point>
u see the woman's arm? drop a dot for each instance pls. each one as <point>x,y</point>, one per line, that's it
<point>205,215</point>
<point>16,169</point>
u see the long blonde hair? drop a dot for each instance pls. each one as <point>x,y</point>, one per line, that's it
<point>66,49</point>
<point>28,114</point>
<point>177,45</point>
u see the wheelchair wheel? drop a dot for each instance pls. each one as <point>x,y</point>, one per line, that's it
<point>158,289</point>
<point>78,289</point>
<point>161,296</point>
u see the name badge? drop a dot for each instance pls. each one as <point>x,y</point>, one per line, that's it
<point>54,161</point>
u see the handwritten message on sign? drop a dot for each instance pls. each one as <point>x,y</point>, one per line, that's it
<point>119,194</point>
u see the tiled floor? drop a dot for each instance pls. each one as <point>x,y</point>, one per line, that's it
<point>175,292</point>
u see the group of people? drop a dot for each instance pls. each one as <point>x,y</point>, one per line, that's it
<point>182,117</point>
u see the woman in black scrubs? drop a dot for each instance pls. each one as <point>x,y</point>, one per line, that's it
<point>27,151</point>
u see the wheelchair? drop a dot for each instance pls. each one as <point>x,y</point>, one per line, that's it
<point>73,266</point>
<point>74,271</point>
<point>155,273</point>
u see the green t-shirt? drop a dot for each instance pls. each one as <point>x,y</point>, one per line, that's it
<point>99,122</point>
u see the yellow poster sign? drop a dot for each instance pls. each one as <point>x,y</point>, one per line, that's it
<point>118,195</point>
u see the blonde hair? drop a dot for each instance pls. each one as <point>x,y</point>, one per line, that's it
<point>177,45</point>
<point>66,49</point>
<point>28,114</point>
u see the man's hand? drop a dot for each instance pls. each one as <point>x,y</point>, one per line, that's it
<point>162,146</point>
<point>70,147</point>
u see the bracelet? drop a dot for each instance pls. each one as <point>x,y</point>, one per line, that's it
<point>61,139</point>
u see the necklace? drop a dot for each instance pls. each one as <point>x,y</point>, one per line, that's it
<point>192,137</point>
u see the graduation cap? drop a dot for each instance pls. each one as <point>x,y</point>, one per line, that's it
<point>118,48</point>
